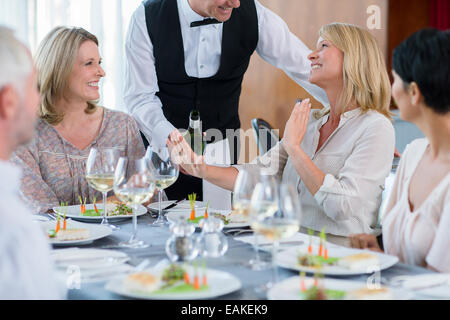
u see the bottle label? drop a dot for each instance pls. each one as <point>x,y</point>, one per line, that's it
<point>194,124</point>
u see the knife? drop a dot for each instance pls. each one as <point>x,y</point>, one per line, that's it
<point>173,204</point>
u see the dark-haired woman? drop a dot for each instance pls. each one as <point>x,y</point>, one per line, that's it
<point>416,223</point>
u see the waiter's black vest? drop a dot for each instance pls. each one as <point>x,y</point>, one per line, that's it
<point>217,97</point>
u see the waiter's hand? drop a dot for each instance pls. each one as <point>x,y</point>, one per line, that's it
<point>295,129</point>
<point>181,153</point>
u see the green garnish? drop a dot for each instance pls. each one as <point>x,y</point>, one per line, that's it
<point>315,293</point>
<point>51,233</point>
<point>216,215</point>
<point>309,260</point>
<point>181,288</point>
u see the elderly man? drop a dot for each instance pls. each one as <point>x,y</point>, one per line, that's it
<point>26,271</point>
<point>193,54</point>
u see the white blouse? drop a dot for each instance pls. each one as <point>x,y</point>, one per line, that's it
<point>420,237</point>
<point>356,159</point>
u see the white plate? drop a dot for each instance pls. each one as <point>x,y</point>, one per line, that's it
<point>289,289</point>
<point>74,212</point>
<point>180,207</point>
<point>173,216</point>
<point>288,259</point>
<point>89,258</point>
<point>95,232</point>
<point>220,283</point>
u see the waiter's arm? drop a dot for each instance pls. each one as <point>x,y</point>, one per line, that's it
<point>281,48</point>
<point>141,83</point>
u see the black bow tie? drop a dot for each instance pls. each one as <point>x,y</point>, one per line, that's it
<point>204,22</point>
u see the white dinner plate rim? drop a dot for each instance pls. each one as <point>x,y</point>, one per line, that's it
<point>141,211</point>
<point>115,285</point>
<point>389,261</point>
<point>329,283</point>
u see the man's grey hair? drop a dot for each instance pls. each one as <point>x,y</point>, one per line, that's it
<point>15,60</point>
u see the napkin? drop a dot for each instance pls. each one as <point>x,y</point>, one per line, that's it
<point>425,281</point>
<point>296,237</point>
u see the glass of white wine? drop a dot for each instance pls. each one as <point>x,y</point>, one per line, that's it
<point>242,194</point>
<point>100,168</point>
<point>278,222</point>
<point>165,173</point>
<point>133,184</point>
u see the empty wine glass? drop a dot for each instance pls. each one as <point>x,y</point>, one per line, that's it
<point>133,184</point>
<point>165,173</point>
<point>100,168</point>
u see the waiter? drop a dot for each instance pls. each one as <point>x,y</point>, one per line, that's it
<point>187,54</point>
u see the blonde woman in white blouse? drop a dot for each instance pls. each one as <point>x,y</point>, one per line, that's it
<point>337,158</point>
<point>416,223</point>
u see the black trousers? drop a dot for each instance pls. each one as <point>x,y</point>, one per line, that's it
<point>187,184</point>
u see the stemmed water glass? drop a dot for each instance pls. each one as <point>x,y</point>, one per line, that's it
<point>133,184</point>
<point>242,194</point>
<point>100,168</point>
<point>164,171</point>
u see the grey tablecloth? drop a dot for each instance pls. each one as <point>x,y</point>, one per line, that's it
<point>233,262</point>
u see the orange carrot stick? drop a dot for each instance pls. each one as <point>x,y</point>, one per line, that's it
<point>196,282</point>
<point>186,278</point>
<point>326,253</point>
<point>320,250</point>
<point>302,282</point>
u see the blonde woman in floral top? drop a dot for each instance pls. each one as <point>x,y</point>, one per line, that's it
<point>71,123</point>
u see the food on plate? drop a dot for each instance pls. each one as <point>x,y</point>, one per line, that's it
<point>192,198</point>
<point>173,273</point>
<point>237,217</point>
<point>316,261</point>
<point>321,259</point>
<point>72,234</point>
<point>121,210</point>
<point>64,233</point>
<point>360,261</point>
<point>174,279</point>
<point>320,293</point>
<point>382,293</point>
<point>142,282</point>
<point>222,217</point>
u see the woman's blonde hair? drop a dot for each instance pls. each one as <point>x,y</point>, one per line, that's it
<point>366,80</point>
<point>54,59</point>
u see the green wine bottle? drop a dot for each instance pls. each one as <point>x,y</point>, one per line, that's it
<point>194,134</point>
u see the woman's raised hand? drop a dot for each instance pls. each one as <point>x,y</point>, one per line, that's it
<point>296,126</point>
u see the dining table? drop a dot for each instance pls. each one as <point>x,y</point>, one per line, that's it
<point>234,261</point>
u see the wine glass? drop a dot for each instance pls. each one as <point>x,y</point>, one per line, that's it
<point>133,184</point>
<point>100,168</point>
<point>242,195</point>
<point>165,173</point>
<point>276,224</point>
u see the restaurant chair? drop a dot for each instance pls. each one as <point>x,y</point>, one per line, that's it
<point>265,136</point>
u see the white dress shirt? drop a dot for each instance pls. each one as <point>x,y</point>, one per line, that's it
<point>356,160</point>
<point>202,51</point>
<point>26,271</point>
